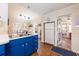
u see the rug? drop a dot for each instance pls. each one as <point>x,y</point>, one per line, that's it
<point>63,52</point>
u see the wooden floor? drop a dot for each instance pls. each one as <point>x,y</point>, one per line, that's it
<point>45,50</point>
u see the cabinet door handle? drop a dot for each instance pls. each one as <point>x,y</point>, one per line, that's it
<point>26,43</point>
<point>23,45</point>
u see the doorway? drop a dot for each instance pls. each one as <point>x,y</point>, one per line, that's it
<point>49,33</point>
<point>64,32</point>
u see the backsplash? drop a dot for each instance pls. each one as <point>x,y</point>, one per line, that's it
<point>22,28</point>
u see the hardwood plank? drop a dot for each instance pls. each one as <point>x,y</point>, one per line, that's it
<point>45,50</point>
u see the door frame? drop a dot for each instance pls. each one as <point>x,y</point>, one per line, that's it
<point>44,30</point>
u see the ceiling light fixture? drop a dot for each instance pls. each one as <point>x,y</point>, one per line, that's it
<point>20,14</point>
<point>28,17</point>
<point>29,5</point>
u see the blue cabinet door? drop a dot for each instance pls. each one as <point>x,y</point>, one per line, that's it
<point>17,50</point>
<point>2,50</point>
<point>35,43</point>
<point>23,46</point>
<point>28,49</point>
<point>29,45</point>
<point>35,46</point>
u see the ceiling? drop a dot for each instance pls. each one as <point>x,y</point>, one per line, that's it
<point>44,8</point>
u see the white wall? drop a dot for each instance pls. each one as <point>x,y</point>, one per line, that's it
<point>4,18</point>
<point>4,23</point>
<point>15,10</point>
<point>74,12</point>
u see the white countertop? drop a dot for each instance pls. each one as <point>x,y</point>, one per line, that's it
<point>4,39</point>
<point>22,36</point>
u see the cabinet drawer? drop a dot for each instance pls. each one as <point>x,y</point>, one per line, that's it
<point>16,42</point>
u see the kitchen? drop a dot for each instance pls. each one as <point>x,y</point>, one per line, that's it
<point>28,29</point>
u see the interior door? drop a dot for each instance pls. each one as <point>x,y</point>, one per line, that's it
<point>50,33</point>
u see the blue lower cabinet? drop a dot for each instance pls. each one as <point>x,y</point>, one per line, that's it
<point>22,47</point>
<point>16,41</point>
<point>29,45</point>
<point>36,45</point>
<point>17,50</point>
<point>28,49</point>
<point>2,50</point>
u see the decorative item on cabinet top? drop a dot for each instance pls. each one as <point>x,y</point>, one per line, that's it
<point>30,25</point>
<point>39,24</point>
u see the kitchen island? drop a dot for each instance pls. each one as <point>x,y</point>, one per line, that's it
<point>22,46</point>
